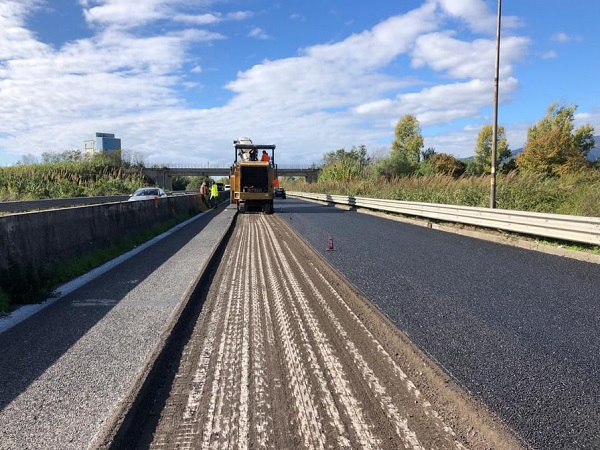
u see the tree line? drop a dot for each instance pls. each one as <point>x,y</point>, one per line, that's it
<point>554,147</point>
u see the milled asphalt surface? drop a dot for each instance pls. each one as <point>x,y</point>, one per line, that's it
<point>66,370</point>
<point>519,329</point>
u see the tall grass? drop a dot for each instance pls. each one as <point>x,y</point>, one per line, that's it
<point>572,194</point>
<point>68,179</point>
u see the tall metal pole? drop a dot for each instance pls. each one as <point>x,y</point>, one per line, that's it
<point>495,125</point>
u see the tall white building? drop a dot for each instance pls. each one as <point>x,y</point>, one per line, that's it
<point>102,143</point>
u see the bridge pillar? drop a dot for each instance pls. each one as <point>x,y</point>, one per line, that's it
<point>312,176</point>
<point>161,177</point>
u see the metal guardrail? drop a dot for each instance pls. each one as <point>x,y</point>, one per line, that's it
<point>555,226</point>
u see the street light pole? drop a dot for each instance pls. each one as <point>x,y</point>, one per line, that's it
<point>495,125</point>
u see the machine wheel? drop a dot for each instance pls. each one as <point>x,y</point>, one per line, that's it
<point>269,208</point>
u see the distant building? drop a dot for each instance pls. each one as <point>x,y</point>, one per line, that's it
<point>103,143</point>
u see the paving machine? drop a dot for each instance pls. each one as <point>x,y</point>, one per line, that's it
<point>253,176</point>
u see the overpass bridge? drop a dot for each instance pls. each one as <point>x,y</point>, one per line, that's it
<point>163,175</point>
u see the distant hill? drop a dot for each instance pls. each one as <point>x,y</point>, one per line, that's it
<point>594,153</point>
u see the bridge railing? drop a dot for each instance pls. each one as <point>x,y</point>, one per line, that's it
<point>554,226</point>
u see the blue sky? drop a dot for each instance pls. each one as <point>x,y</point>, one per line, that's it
<point>179,80</point>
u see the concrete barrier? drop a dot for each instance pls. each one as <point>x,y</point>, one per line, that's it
<point>48,237</point>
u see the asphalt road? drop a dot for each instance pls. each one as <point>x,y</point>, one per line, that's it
<point>518,329</point>
<point>285,354</point>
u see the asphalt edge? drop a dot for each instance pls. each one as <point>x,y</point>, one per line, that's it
<point>124,415</point>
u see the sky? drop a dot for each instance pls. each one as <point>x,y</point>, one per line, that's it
<point>178,80</point>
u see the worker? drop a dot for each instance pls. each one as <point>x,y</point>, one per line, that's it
<point>265,156</point>
<point>253,154</point>
<point>214,195</point>
<point>276,183</point>
<point>204,192</point>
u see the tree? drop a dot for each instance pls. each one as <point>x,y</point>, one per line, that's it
<point>426,154</point>
<point>446,164</point>
<point>553,145</point>
<point>28,159</point>
<point>483,149</point>
<point>342,165</point>
<point>65,156</point>
<point>409,141</point>
<point>405,153</point>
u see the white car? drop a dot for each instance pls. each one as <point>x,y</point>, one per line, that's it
<point>148,193</point>
<point>227,187</point>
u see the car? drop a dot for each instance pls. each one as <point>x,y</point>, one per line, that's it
<point>227,187</point>
<point>279,192</point>
<point>147,193</point>
<point>220,187</point>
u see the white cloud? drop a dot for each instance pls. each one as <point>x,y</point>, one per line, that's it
<point>326,97</point>
<point>462,59</point>
<point>258,33</point>
<point>549,54</point>
<point>474,12</point>
<point>211,18</point>
<point>563,38</point>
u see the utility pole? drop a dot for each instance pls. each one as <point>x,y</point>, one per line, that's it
<point>495,125</point>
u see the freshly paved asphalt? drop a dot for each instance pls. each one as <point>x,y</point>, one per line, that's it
<point>519,329</point>
<point>65,371</point>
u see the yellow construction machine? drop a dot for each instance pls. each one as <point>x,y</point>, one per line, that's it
<point>253,176</point>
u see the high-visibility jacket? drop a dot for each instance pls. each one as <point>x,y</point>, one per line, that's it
<point>214,191</point>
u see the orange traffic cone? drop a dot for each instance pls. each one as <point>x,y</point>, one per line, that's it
<point>330,244</point>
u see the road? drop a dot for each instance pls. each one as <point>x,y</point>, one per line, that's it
<point>517,328</point>
<point>286,354</point>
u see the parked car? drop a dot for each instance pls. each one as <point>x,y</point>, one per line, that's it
<point>220,187</point>
<point>147,194</point>
<point>227,187</point>
<point>279,192</point>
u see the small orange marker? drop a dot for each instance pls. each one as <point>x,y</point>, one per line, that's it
<point>330,244</point>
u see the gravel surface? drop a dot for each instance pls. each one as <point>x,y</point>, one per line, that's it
<point>518,329</point>
<point>66,371</point>
<point>285,354</point>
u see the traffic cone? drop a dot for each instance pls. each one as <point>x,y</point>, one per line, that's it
<point>330,244</point>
